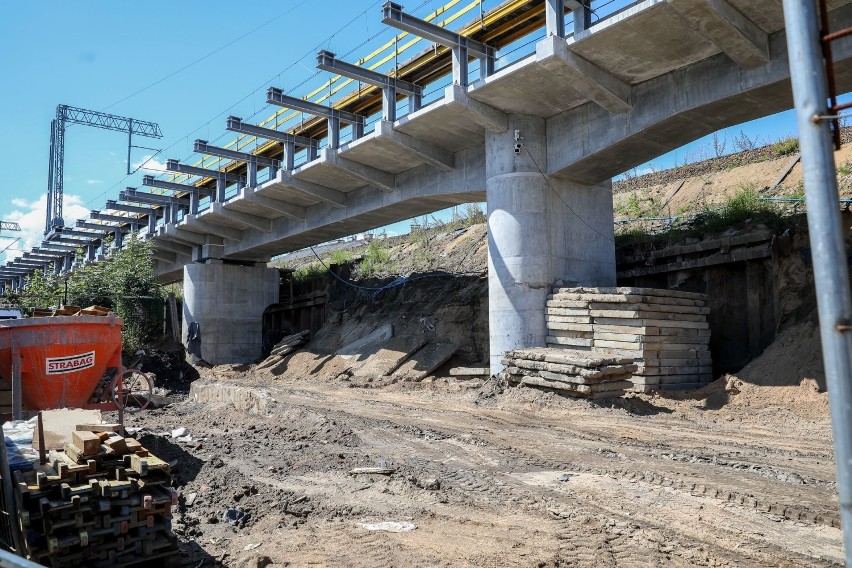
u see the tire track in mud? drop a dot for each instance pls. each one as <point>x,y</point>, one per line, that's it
<point>591,543</point>
<point>589,533</point>
<point>826,515</point>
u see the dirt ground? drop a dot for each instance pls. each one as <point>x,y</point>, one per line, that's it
<point>738,474</point>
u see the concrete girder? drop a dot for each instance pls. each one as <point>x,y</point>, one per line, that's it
<point>600,86</point>
<point>331,196</point>
<point>246,219</point>
<point>737,36</point>
<point>437,157</point>
<point>208,226</point>
<point>366,174</point>
<point>171,232</point>
<point>272,204</point>
<point>677,108</point>
<point>161,242</point>
<point>488,117</point>
<point>164,255</point>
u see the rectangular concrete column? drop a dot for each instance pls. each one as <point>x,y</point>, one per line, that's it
<point>223,310</point>
<point>540,229</point>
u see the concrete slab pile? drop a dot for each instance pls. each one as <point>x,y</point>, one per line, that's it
<point>665,332</point>
<point>576,373</point>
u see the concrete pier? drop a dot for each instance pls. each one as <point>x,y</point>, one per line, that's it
<point>540,229</point>
<point>226,301</point>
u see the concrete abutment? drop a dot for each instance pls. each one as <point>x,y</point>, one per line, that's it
<point>540,229</point>
<point>223,310</point>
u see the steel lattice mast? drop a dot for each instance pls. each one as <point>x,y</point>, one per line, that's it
<point>55,174</point>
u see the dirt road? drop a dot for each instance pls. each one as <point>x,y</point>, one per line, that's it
<point>491,478</point>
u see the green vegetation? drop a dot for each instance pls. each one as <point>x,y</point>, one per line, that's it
<point>340,257</point>
<point>375,259</point>
<point>744,206</point>
<point>473,215</point>
<point>845,169</point>
<point>785,147</point>
<point>309,272</point>
<point>125,283</point>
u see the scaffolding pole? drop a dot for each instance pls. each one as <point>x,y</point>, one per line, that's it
<point>831,273</point>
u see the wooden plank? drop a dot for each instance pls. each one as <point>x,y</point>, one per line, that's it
<point>99,427</point>
<point>89,442</point>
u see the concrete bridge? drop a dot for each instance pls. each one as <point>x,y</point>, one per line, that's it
<point>539,140</point>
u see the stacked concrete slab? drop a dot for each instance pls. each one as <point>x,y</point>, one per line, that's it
<point>665,332</point>
<point>577,373</point>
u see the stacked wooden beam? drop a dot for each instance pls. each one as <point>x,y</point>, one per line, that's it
<point>71,311</point>
<point>665,331</point>
<point>104,501</point>
<point>576,373</point>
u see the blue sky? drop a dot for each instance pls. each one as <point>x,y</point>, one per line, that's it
<point>184,65</point>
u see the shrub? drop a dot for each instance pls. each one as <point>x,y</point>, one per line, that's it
<point>474,214</point>
<point>125,283</point>
<point>308,272</point>
<point>785,147</point>
<point>340,257</point>
<point>375,259</point>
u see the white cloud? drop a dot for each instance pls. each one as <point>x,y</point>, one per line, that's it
<point>30,215</point>
<point>94,181</point>
<point>149,163</point>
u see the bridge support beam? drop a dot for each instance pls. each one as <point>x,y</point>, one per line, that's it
<point>540,229</point>
<point>225,302</point>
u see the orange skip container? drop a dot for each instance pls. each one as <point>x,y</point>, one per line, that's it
<point>61,359</point>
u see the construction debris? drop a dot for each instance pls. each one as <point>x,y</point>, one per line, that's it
<point>424,361</point>
<point>665,332</point>
<point>576,373</point>
<point>284,348</point>
<point>104,501</point>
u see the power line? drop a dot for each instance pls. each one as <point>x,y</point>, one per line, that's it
<point>212,53</point>
<point>263,85</point>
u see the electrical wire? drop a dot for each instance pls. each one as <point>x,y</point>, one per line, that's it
<point>211,54</point>
<point>261,86</point>
<point>568,207</point>
<point>399,281</point>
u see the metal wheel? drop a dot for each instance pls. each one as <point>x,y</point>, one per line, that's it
<point>133,391</point>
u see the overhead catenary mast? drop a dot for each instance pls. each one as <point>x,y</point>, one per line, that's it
<point>55,172</point>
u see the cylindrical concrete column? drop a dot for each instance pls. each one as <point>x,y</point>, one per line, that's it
<point>519,259</point>
<point>540,229</point>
